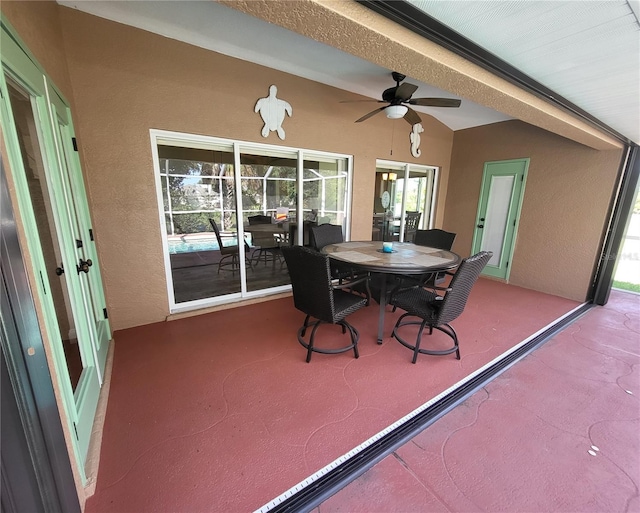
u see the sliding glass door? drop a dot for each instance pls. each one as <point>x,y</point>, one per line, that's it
<point>229,207</point>
<point>269,205</point>
<point>403,192</point>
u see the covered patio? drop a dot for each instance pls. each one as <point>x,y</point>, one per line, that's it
<point>260,419</point>
<point>206,403</point>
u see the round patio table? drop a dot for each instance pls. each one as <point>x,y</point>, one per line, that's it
<point>406,259</point>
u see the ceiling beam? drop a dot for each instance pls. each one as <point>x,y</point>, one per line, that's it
<point>357,30</point>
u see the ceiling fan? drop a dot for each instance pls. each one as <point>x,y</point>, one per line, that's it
<point>399,99</point>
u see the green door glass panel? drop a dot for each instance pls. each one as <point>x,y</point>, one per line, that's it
<point>498,211</point>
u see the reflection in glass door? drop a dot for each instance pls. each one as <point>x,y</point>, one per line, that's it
<point>229,207</point>
<point>199,210</point>
<point>325,191</point>
<point>268,182</point>
<point>403,193</point>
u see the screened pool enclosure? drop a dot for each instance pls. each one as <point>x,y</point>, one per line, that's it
<point>258,194</point>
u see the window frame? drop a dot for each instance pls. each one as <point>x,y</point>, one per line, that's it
<point>239,148</point>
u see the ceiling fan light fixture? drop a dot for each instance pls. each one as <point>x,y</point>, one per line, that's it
<point>396,111</point>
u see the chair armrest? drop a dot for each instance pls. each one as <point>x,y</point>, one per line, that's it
<point>349,285</point>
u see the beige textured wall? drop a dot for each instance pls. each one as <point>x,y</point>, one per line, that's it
<point>127,81</point>
<point>567,193</point>
<point>38,25</point>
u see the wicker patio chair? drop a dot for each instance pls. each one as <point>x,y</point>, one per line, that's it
<point>319,297</point>
<point>326,234</point>
<point>437,311</point>
<point>435,238</point>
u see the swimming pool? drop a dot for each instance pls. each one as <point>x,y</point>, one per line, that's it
<point>190,246</point>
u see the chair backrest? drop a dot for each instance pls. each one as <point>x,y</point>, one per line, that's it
<point>311,281</point>
<point>411,222</point>
<point>461,284</point>
<point>435,238</point>
<point>293,230</point>
<point>217,231</point>
<point>231,248</point>
<point>325,234</point>
<point>259,219</point>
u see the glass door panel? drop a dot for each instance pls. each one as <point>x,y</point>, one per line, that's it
<point>198,192</point>
<point>418,191</point>
<point>268,183</point>
<point>325,189</point>
<point>401,190</point>
<point>77,350</point>
<point>255,196</point>
<point>497,215</point>
<point>388,203</point>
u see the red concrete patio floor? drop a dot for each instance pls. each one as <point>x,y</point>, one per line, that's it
<point>220,413</point>
<point>559,431</point>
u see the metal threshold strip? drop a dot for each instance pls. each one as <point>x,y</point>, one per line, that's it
<point>315,489</point>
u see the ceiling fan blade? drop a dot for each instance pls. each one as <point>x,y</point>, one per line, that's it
<point>412,117</point>
<point>371,114</point>
<point>435,102</point>
<point>360,101</point>
<point>405,90</point>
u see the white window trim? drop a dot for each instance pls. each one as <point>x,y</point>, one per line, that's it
<point>171,138</point>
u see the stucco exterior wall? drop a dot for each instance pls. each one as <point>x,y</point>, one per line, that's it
<point>567,193</point>
<point>127,81</point>
<point>38,24</point>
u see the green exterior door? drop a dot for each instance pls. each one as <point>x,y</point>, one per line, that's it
<point>52,204</point>
<point>498,213</point>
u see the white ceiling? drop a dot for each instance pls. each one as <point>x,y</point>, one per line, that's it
<point>586,51</point>
<point>586,70</point>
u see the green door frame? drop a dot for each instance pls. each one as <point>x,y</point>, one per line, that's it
<point>70,214</point>
<point>499,265</point>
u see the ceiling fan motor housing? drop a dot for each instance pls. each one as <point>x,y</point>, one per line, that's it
<point>389,95</point>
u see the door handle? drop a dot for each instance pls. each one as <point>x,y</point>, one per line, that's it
<point>83,265</point>
<point>60,270</point>
<point>480,226</point>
